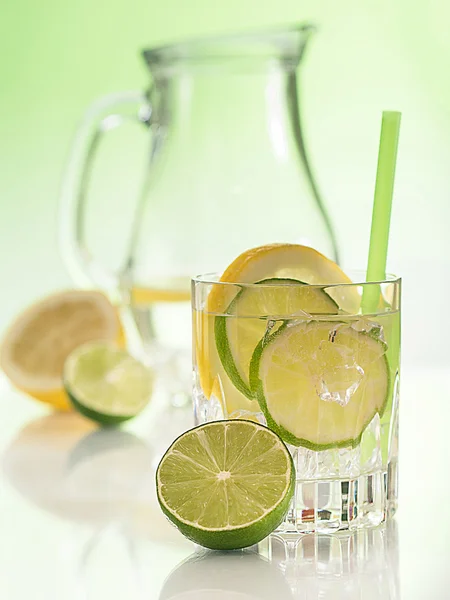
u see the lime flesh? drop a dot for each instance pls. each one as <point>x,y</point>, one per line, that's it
<point>106,384</point>
<point>252,311</point>
<point>319,384</point>
<point>226,484</point>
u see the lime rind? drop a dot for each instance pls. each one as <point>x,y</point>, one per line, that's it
<point>226,357</point>
<point>98,417</point>
<point>257,387</point>
<point>235,536</point>
<point>221,336</point>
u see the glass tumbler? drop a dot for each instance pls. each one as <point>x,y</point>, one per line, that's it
<point>318,364</point>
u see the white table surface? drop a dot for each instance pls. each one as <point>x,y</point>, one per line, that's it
<point>80,521</point>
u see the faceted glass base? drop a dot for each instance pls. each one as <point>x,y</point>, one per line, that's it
<point>335,505</point>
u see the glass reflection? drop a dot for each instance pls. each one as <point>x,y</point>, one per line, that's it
<point>356,566</point>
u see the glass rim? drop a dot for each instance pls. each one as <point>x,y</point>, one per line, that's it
<point>214,279</point>
<point>226,46</point>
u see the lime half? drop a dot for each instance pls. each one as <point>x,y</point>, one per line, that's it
<point>256,310</point>
<point>106,384</point>
<point>319,384</point>
<point>226,484</point>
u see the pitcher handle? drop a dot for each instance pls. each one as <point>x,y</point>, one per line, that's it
<point>104,115</point>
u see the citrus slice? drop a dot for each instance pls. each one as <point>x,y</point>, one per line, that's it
<point>255,311</point>
<point>212,379</point>
<point>226,484</point>
<point>292,261</point>
<point>319,384</point>
<point>38,342</point>
<point>286,261</point>
<point>106,384</point>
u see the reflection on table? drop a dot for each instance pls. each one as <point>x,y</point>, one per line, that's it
<point>357,566</point>
<point>97,477</point>
<point>103,481</point>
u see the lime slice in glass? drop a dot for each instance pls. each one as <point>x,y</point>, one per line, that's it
<point>319,384</point>
<point>106,384</point>
<point>238,335</point>
<point>226,484</point>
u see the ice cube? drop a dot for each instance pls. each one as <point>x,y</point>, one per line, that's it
<point>339,375</point>
<point>339,384</point>
<point>298,317</point>
<point>246,414</point>
<point>367,326</point>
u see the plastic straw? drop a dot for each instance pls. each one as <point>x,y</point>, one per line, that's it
<point>381,214</point>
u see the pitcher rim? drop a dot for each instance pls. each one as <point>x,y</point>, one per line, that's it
<point>195,49</point>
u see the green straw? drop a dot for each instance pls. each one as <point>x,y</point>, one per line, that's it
<point>382,203</point>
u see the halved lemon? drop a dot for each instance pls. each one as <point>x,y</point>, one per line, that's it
<point>38,342</point>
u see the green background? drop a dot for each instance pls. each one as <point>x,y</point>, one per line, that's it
<point>57,57</point>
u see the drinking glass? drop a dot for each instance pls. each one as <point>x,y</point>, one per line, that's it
<point>326,380</point>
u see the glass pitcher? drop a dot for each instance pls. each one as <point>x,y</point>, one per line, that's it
<point>227,169</point>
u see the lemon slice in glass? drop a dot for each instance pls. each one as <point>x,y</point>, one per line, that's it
<point>285,261</point>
